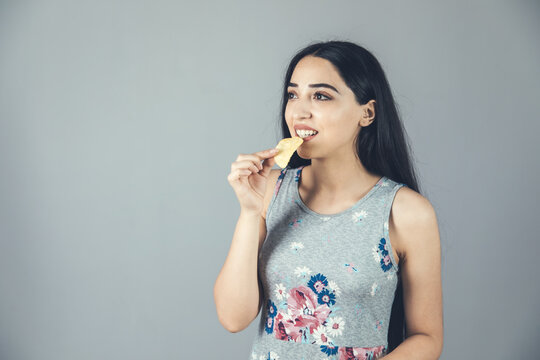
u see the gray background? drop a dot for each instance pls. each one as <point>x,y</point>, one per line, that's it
<point>120,120</point>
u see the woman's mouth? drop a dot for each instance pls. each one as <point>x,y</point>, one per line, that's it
<point>306,135</point>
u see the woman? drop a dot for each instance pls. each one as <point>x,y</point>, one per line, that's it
<point>339,247</point>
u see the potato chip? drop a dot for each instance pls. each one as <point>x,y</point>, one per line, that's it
<point>286,148</point>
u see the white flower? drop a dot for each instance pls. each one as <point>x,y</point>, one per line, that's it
<point>253,356</point>
<point>373,288</point>
<point>273,356</point>
<point>390,275</point>
<point>376,254</point>
<point>321,335</point>
<point>386,227</point>
<point>302,271</point>
<point>325,218</point>
<point>297,245</point>
<point>280,291</point>
<point>335,326</point>
<point>359,215</point>
<point>332,284</point>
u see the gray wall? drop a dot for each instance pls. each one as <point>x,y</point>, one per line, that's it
<point>119,121</point>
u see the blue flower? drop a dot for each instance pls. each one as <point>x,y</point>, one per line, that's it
<point>329,349</point>
<point>327,297</point>
<point>297,176</point>
<point>272,309</point>
<point>382,247</point>
<point>269,327</point>
<point>384,266</point>
<point>317,283</point>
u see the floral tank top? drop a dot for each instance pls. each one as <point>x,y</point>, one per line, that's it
<point>328,280</point>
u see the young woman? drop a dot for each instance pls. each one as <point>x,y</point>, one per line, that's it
<point>338,251</point>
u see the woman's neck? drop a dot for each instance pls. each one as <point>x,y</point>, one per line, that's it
<point>337,179</point>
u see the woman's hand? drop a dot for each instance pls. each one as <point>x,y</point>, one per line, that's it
<point>248,178</point>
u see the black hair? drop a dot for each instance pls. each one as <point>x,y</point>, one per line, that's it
<point>381,147</point>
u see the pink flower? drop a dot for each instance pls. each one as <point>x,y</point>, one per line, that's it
<point>360,353</point>
<point>280,324</point>
<point>305,309</point>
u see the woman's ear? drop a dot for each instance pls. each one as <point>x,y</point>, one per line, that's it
<point>368,113</point>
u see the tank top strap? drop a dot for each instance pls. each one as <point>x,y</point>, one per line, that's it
<point>287,177</point>
<point>385,245</point>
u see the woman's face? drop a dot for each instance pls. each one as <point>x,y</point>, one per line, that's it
<point>318,98</point>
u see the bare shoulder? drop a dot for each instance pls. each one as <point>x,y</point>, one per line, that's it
<point>417,233</point>
<point>270,185</point>
<point>411,217</point>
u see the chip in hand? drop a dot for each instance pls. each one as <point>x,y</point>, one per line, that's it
<point>286,148</point>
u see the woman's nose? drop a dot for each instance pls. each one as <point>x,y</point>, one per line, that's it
<point>301,109</point>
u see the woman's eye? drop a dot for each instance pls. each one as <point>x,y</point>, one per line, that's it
<point>316,94</point>
<point>321,94</point>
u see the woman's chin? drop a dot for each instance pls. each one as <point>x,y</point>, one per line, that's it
<point>304,155</point>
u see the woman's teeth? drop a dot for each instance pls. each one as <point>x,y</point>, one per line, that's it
<point>305,133</point>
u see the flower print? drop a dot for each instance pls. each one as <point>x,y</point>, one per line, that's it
<point>270,356</point>
<point>386,263</point>
<point>298,172</point>
<point>373,288</point>
<point>335,288</point>
<point>271,308</point>
<point>335,325</point>
<point>327,297</point>
<point>269,326</point>
<point>279,325</point>
<point>378,325</point>
<point>351,267</point>
<point>375,254</point>
<point>329,349</point>
<point>386,227</point>
<point>280,291</point>
<point>307,312</point>
<point>305,309</point>
<point>361,353</point>
<point>295,222</point>
<point>253,356</point>
<point>321,335</point>
<point>358,216</point>
<point>318,282</point>
<point>383,246</point>
<point>302,271</point>
<point>279,181</point>
<point>287,329</point>
<point>382,255</point>
<point>297,245</point>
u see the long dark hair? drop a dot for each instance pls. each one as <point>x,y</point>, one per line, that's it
<point>381,146</point>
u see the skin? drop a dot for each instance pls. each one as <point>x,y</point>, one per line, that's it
<point>336,180</point>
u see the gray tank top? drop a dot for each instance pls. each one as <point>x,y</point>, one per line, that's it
<point>328,280</point>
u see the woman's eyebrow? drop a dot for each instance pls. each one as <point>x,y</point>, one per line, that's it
<point>317,86</point>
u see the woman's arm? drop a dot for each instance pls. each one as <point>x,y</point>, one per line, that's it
<point>237,292</point>
<point>415,230</point>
